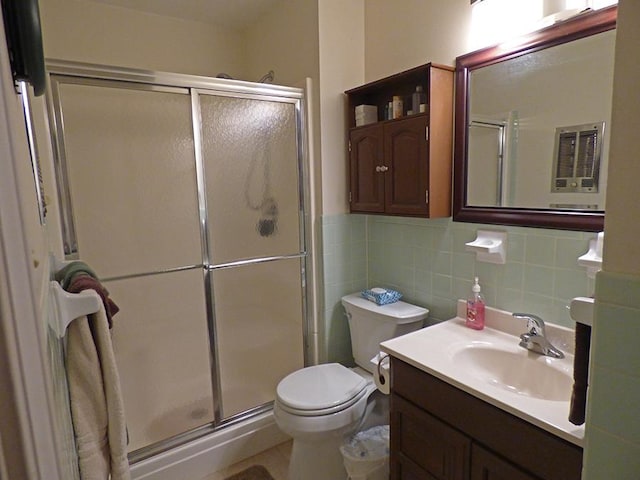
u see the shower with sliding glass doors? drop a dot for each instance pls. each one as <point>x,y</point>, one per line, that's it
<point>187,196</point>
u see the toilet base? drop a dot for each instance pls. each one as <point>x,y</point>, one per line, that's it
<point>322,460</point>
<point>317,460</point>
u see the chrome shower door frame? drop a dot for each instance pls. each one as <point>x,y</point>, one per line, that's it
<point>96,75</point>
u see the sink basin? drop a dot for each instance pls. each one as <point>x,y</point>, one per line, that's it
<point>520,372</point>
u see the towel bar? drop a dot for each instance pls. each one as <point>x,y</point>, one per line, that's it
<point>69,306</point>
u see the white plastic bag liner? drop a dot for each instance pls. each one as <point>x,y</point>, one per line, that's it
<point>366,455</point>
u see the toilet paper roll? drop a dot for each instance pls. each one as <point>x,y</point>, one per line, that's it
<point>381,372</point>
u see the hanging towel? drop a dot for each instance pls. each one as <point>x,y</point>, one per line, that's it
<point>577,411</point>
<point>77,276</point>
<point>65,275</point>
<point>96,401</point>
<point>82,281</point>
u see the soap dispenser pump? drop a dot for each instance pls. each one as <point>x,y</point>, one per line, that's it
<point>475,308</point>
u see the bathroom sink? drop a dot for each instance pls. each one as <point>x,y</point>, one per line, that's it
<point>516,370</point>
<point>490,365</point>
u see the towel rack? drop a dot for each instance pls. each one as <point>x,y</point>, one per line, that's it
<point>69,306</point>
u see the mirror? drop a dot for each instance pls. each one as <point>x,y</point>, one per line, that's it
<point>532,127</point>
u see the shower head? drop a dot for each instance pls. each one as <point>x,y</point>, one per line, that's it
<point>268,78</point>
<point>268,223</point>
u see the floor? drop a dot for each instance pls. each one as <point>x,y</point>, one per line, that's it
<point>276,460</point>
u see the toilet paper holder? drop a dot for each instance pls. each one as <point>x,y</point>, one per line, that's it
<point>381,358</point>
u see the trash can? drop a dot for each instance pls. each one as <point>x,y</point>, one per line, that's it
<point>366,454</point>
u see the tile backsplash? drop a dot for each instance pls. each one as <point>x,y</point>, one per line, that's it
<point>426,261</point>
<point>613,427</point>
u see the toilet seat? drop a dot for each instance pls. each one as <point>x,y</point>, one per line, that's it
<point>320,390</point>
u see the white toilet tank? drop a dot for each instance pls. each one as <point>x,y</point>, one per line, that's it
<point>371,324</point>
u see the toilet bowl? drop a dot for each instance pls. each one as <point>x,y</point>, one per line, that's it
<point>320,406</point>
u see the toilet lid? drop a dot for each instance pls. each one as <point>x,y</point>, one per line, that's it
<point>320,387</point>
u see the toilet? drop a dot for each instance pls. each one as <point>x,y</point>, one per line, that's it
<point>320,406</point>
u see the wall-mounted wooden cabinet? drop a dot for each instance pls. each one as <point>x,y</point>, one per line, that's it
<point>402,166</point>
<point>439,431</point>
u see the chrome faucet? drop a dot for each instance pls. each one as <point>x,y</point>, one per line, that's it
<point>535,339</point>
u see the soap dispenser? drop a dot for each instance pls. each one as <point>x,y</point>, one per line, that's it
<point>475,308</point>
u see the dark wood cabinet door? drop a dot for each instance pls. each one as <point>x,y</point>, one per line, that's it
<point>423,447</point>
<point>366,174</point>
<point>488,466</point>
<point>407,159</point>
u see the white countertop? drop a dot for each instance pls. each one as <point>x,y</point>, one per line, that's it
<point>431,350</point>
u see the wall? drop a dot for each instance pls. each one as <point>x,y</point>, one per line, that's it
<point>612,444</point>
<point>341,29</point>
<point>403,34</point>
<point>97,33</point>
<point>425,259</point>
<point>613,428</point>
<point>344,239</point>
<point>386,28</point>
<point>28,438</point>
<point>269,43</point>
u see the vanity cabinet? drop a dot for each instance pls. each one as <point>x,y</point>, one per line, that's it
<point>402,166</point>
<point>441,432</point>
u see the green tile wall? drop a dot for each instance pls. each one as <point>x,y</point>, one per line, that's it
<point>612,437</point>
<point>344,244</point>
<point>426,260</point>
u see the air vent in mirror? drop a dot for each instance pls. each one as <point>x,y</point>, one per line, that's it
<point>576,164</point>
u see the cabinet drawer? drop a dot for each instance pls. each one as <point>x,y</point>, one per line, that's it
<point>488,466</point>
<point>518,441</point>
<point>424,441</point>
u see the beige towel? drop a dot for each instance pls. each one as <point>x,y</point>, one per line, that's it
<point>96,400</point>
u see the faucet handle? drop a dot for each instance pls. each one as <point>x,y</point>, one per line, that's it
<point>535,324</point>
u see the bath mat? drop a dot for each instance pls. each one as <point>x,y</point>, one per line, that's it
<point>255,472</point>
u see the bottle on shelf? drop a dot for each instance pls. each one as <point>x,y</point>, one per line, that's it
<point>418,100</point>
<point>397,106</point>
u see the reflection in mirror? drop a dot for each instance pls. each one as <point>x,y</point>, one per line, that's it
<point>515,108</point>
<point>532,127</point>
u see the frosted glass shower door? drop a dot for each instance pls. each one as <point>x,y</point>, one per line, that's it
<point>130,166</point>
<point>252,172</point>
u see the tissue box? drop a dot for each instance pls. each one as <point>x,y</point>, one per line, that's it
<point>366,114</point>
<point>381,296</point>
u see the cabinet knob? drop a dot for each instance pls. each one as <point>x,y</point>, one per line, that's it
<point>381,168</point>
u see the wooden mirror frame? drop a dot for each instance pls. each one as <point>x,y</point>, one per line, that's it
<point>581,26</point>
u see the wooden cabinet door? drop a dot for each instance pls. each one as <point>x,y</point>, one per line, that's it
<point>366,174</point>
<point>423,447</point>
<point>407,159</point>
<point>488,466</point>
